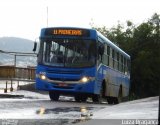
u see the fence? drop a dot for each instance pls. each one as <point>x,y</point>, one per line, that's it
<point>17,73</point>
<point>12,73</point>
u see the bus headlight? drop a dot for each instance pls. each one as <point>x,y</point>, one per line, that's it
<point>86,79</point>
<point>42,76</point>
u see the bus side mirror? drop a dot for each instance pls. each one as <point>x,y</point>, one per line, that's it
<point>35,47</point>
<point>101,50</point>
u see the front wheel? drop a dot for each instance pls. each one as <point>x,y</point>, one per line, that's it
<point>99,98</point>
<point>80,98</point>
<point>96,98</point>
<point>53,96</point>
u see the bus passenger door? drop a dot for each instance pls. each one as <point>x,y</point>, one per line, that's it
<point>100,67</point>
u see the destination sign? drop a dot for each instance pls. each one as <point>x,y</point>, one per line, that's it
<point>67,32</point>
<point>72,32</point>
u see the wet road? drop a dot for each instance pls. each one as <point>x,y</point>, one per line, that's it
<point>26,108</point>
<point>30,108</point>
<point>37,108</point>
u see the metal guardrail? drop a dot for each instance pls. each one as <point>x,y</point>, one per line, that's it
<point>12,73</point>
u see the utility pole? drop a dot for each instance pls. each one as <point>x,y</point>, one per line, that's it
<point>47,16</point>
<point>15,60</point>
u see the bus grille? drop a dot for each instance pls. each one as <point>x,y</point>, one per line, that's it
<point>65,71</point>
<point>63,79</point>
<point>60,87</point>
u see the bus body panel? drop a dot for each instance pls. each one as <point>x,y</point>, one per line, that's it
<point>66,74</point>
<point>113,79</point>
<point>100,73</point>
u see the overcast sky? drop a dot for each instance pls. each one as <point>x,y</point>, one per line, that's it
<point>25,18</point>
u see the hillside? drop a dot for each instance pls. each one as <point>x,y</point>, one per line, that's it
<point>16,44</point>
<point>13,44</point>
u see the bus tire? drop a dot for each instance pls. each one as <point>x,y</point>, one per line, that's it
<point>84,99</point>
<point>118,99</point>
<point>79,98</point>
<point>97,98</point>
<point>110,100</point>
<point>53,96</point>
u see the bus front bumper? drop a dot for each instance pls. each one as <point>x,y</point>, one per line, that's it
<point>64,87</point>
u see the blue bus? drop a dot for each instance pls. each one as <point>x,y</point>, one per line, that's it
<point>82,63</point>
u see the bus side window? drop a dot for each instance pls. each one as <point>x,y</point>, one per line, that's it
<point>105,56</point>
<point>110,58</point>
<point>113,58</point>
<point>100,51</point>
<point>108,54</point>
<point>117,61</point>
<point>125,66</point>
<point>122,64</point>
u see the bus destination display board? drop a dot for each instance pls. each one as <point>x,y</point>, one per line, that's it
<point>67,32</point>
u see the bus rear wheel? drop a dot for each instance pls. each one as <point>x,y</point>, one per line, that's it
<point>53,96</point>
<point>110,100</point>
<point>118,99</point>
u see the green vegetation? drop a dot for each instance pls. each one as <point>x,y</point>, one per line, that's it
<point>142,43</point>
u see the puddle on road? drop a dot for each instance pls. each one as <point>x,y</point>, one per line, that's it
<point>76,114</point>
<point>64,110</point>
<point>11,96</point>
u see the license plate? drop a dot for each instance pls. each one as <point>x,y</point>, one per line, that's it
<point>62,84</point>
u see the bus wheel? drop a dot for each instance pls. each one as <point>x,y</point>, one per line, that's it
<point>110,100</point>
<point>97,98</point>
<point>53,96</point>
<point>84,99</point>
<point>79,98</point>
<point>118,99</point>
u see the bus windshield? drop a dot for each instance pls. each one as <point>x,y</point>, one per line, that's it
<point>68,52</point>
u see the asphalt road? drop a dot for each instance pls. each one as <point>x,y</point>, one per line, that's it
<point>32,108</point>
<point>24,107</point>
